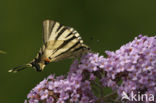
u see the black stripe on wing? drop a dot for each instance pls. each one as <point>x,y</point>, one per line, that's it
<point>52,27</point>
<point>60,33</point>
<point>64,43</point>
<point>69,34</point>
<point>73,32</point>
<point>60,25</point>
<point>77,49</point>
<point>77,43</point>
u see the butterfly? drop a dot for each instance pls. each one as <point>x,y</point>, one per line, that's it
<point>59,42</point>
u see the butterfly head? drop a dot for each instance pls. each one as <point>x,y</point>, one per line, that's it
<point>39,65</point>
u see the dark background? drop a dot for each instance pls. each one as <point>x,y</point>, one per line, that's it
<point>103,24</point>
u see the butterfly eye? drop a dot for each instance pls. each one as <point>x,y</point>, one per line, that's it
<point>46,62</point>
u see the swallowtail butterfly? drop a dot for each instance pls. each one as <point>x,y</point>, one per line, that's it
<point>59,42</point>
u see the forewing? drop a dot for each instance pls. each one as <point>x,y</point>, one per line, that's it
<point>48,27</point>
<point>75,49</point>
<point>67,44</point>
<point>61,41</point>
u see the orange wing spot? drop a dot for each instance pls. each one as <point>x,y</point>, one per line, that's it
<point>47,60</point>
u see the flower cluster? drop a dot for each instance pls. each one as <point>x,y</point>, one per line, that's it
<point>131,68</point>
<point>135,65</point>
<point>88,67</point>
<point>61,90</point>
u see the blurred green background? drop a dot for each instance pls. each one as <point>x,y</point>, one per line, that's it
<point>103,24</point>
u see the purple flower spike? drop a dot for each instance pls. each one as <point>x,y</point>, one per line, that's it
<point>134,64</point>
<point>60,90</point>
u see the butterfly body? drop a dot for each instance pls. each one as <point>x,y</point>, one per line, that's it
<point>60,42</point>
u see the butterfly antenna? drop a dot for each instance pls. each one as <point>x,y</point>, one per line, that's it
<point>2,52</point>
<point>19,68</point>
